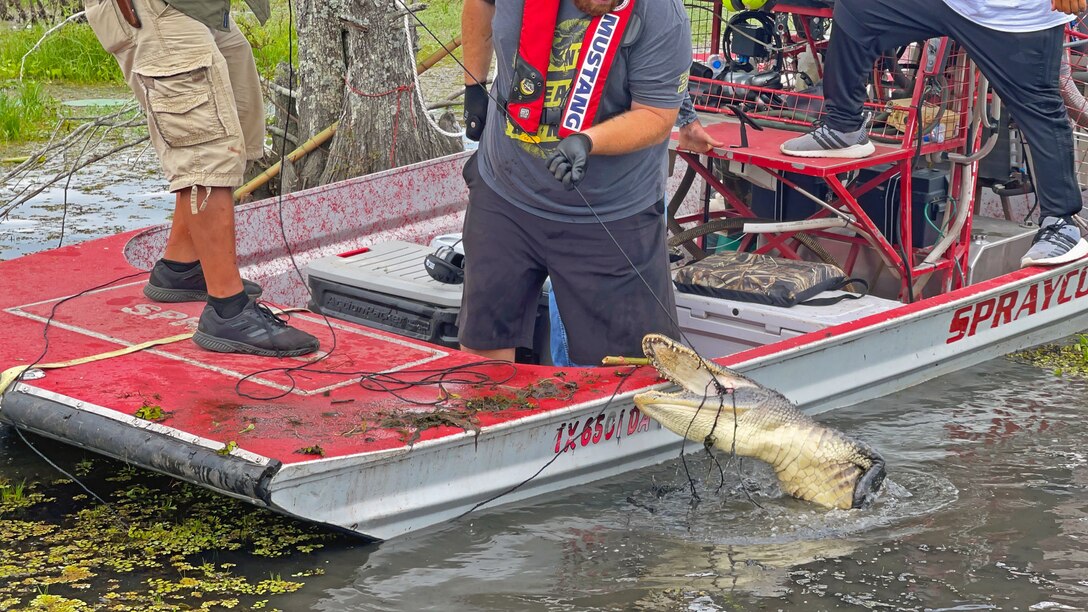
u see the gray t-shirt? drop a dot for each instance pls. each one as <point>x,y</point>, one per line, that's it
<point>651,69</point>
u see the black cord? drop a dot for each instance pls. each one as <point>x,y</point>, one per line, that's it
<point>39,358</point>
<point>479,505</point>
<point>385,382</point>
<point>115,514</point>
<point>305,367</point>
<point>708,442</point>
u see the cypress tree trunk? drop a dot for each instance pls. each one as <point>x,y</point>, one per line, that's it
<point>357,65</point>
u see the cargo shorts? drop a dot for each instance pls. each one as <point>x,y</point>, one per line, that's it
<point>198,86</point>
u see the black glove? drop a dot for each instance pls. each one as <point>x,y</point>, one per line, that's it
<point>476,102</point>
<point>568,161</point>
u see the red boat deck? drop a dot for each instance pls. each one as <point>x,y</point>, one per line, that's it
<point>274,414</point>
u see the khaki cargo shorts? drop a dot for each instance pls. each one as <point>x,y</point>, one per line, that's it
<point>198,86</point>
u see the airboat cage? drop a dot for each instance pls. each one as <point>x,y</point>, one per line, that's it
<point>758,73</point>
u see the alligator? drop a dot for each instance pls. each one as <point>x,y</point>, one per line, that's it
<point>732,412</point>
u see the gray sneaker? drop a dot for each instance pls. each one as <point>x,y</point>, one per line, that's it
<point>165,285</point>
<point>255,331</point>
<point>1057,241</point>
<point>826,142</point>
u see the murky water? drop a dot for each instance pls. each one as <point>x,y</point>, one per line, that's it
<point>101,200</point>
<point>987,509</point>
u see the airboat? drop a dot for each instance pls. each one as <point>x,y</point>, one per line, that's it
<point>392,429</point>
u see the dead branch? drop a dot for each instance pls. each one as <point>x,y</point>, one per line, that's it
<point>88,136</point>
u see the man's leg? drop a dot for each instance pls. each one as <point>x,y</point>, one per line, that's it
<point>608,305</point>
<point>863,30</point>
<point>211,233</point>
<point>1023,69</point>
<point>504,273</point>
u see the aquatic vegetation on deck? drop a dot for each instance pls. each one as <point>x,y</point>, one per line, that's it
<point>1062,359</point>
<point>158,545</point>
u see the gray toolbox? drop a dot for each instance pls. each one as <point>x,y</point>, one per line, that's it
<point>386,287</point>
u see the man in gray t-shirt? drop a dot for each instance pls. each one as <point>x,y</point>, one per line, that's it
<point>523,224</point>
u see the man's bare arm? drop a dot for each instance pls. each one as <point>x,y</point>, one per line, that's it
<point>638,128</point>
<point>476,39</point>
<point>1072,7</point>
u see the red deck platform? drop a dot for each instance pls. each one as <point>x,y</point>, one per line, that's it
<point>200,393</point>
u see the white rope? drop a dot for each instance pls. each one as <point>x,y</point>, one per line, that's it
<point>419,89</point>
<point>22,62</point>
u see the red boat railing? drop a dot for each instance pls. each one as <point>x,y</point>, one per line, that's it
<point>922,103</point>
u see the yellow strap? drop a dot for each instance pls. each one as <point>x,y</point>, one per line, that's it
<point>10,375</point>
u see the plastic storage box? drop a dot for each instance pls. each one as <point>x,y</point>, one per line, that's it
<point>386,287</point>
<point>721,327</point>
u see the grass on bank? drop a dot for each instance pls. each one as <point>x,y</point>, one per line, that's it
<point>72,55</point>
<point>25,111</point>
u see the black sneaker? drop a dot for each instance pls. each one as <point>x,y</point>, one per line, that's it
<point>255,331</point>
<point>165,285</point>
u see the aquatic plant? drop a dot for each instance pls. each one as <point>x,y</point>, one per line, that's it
<point>23,111</point>
<point>1063,359</point>
<point>16,495</point>
<point>158,545</point>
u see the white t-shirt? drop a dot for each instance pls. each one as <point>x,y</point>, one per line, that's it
<point>1010,15</point>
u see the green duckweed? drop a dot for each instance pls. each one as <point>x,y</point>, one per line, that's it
<point>159,544</point>
<point>1062,359</point>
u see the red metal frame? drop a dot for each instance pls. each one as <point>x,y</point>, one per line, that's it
<point>949,74</point>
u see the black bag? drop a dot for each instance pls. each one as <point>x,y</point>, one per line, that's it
<point>748,277</point>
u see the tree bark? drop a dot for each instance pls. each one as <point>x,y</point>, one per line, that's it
<point>321,66</point>
<point>356,64</point>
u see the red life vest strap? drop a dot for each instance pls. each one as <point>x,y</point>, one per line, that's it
<point>602,40</point>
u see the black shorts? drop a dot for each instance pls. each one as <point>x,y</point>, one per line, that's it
<point>606,307</point>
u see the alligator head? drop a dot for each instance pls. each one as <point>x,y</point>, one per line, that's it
<point>737,414</point>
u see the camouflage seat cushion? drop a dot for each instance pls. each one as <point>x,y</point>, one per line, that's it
<point>763,279</point>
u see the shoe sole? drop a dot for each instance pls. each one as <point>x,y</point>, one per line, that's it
<point>159,294</point>
<point>1078,251</point>
<point>220,345</point>
<point>852,152</point>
